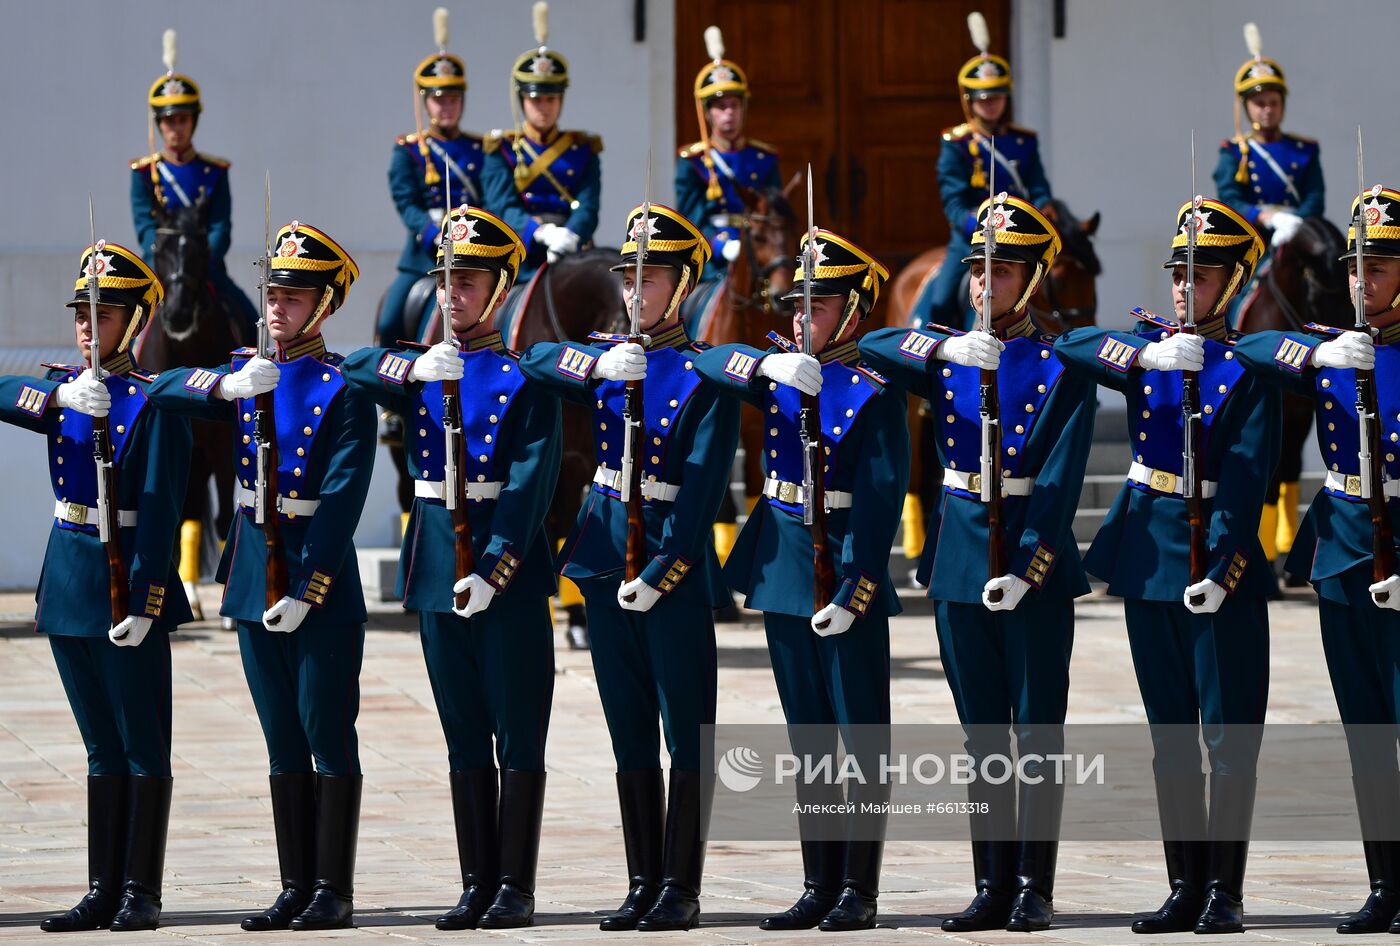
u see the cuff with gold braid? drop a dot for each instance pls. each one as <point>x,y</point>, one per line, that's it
<point>855,594</point>
<point>203,381</point>
<point>664,574</point>
<point>498,565</point>
<point>34,398</point>
<point>1119,352</point>
<point>1033,565</point>
<point>1228,571</point>
<point>149,599</point>
<point>1294,352</point>
<point>315,588</point>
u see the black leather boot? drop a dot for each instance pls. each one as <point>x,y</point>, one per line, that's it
<point>149,807</point>
<point>1038,826</point>
<point>822,862</point>
<point>994,851</point>
<point>856,905</point>
<point>1231,812</point>
<point>641,795</point>
<point>522,808</point>
<point>474,815</point>
<point>1181,808</point>
<point>677,907</point>
<point>294,825</point>
<point>106,829</point>
<point>332,905</point>
<point>1377,800</point>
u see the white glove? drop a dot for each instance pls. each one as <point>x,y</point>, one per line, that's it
<point>1214,597</point>
<point>1390,587</point>
<point>256,377</point>
<point>832,620</point>
<point>1179,352</point>
<point>1285,225</point>
<point>793,369</point>
<point>636,595</point>
<point>973,350</point>
<point>130,632</point>
<point>481,591</point>
<point>439,363</point>
<point>730,249</point>
<point>1012,590</point>
<point>625,362</point>
<point>545,232</point>
<point>561,241</point>
<point>286,615</point>
<point>86,395</point>
<point>1347,350</point>
<point>436,214</point>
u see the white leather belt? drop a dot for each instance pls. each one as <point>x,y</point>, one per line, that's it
<point>432,489</point>
<point>785,492</point>
<point>972,483</point>
<point>80,515</point>
<point>285,504</point>
<point>1163,482</point>
<point>1350,485</point>
<point>651,489</point>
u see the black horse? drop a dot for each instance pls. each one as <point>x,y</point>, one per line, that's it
<point>194,328</point>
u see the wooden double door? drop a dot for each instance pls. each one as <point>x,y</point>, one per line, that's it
<point>860,88</point>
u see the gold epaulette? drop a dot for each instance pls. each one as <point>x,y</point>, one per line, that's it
<point>213,159</point>
<point>763,146</point>
<point>691,150</point>
<point>957,132</point>
<point>408,139</point>
<point>491,143</point>
<point>593,141</point>
<point>144,161</point>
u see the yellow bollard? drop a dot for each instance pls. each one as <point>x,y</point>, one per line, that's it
<point>913,526</point>
<point>1268,530</point>
<point>191,536</point>
<point>725,535</point>
<point>403,525</point>
<point>1288,517</point>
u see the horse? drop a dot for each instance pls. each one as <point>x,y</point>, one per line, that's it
<point>744,308</point>
<point>1302,281</point>
<point>194,328</point>
<point>565,300</point>
<point>1066,299</point>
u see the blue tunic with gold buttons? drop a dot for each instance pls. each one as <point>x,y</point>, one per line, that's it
<point>120,695</point>
<point>528,182</point>
<point>305,684</point>
<point>1334,545</point>
<point>754,166</point>
<point>416,200</point>
<point>866,448</point>
<point>1002,666</point>
<point>1286,173</point>
<point>1206,668</point>
<point>963,168</point>
<point>661,661</point>
<point>492,674</point>
<point>202,178</point>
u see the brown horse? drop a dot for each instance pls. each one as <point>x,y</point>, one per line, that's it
<point>1066,299</point>
<point>745,308</point>
<point>194,328</point>
<point>1302,281</point>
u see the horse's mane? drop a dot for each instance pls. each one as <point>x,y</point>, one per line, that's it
<point>1077,242</point>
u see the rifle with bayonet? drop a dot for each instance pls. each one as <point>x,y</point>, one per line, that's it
<point>454,491</point>
<point>265,505</point>
<point>630,488</point>
<point>108,531</point>
<point>989,408</point>
<point>809,425</point>
<point>1191,474</point>
<point>1367,411</point>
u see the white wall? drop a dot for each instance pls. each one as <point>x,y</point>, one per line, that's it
<point>1116,99</point>
<point>314,91</point>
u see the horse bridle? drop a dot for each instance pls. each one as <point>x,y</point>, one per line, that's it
<point>1075,315</point>
<point>761,298</point>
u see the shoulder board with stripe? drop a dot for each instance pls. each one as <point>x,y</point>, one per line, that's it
<point>511,353</point>
<point>700,346</point>
<point>606,337</point>
<point>957,132</point>
<point>332,359</point>
<point>872,375</point>
<point>1152,318</point>
<point>763,146</point>
<point>947,330</point>
<point>408,139</point>
<point>246,351</point>
<point>144,376</point>
<point>1047,339</point>
<point>693,150</point>
<point>1323,329</point>
<point>413,346</point>
<point>213,159</point>
<point>56,367</point>
<point>144,161</point>
<point>783,342</point>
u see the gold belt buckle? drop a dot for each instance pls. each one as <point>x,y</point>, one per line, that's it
<point>974,483</point>
<point>787,492</point>
<point>1162,481</point>
<point>1352,486</point>
<point>76,513</point>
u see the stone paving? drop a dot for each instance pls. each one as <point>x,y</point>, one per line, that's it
<point>221,862</point>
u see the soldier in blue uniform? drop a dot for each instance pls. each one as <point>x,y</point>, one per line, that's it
<point>710,172</point>
<point>418,174</point>
<point>301,655</point>
<point>1273,179</point>
<point>831,664</point>
<point>1360,626</point>
<point>179,176</point>
<point>653,637</point>
<point>545,183</point>
<point>1005,639</point>
<point>1200,647</point>
<point>964,163</point>
<point>491,663</point>
<point>117,678</point>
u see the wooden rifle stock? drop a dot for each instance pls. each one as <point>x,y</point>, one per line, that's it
<point>117,590</point>
<point>1382,538</point>
<point>996,532</point>
<point>823,571</point>
<point>464,555</point>
<point>266,433</point>
<point>636,425</point>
